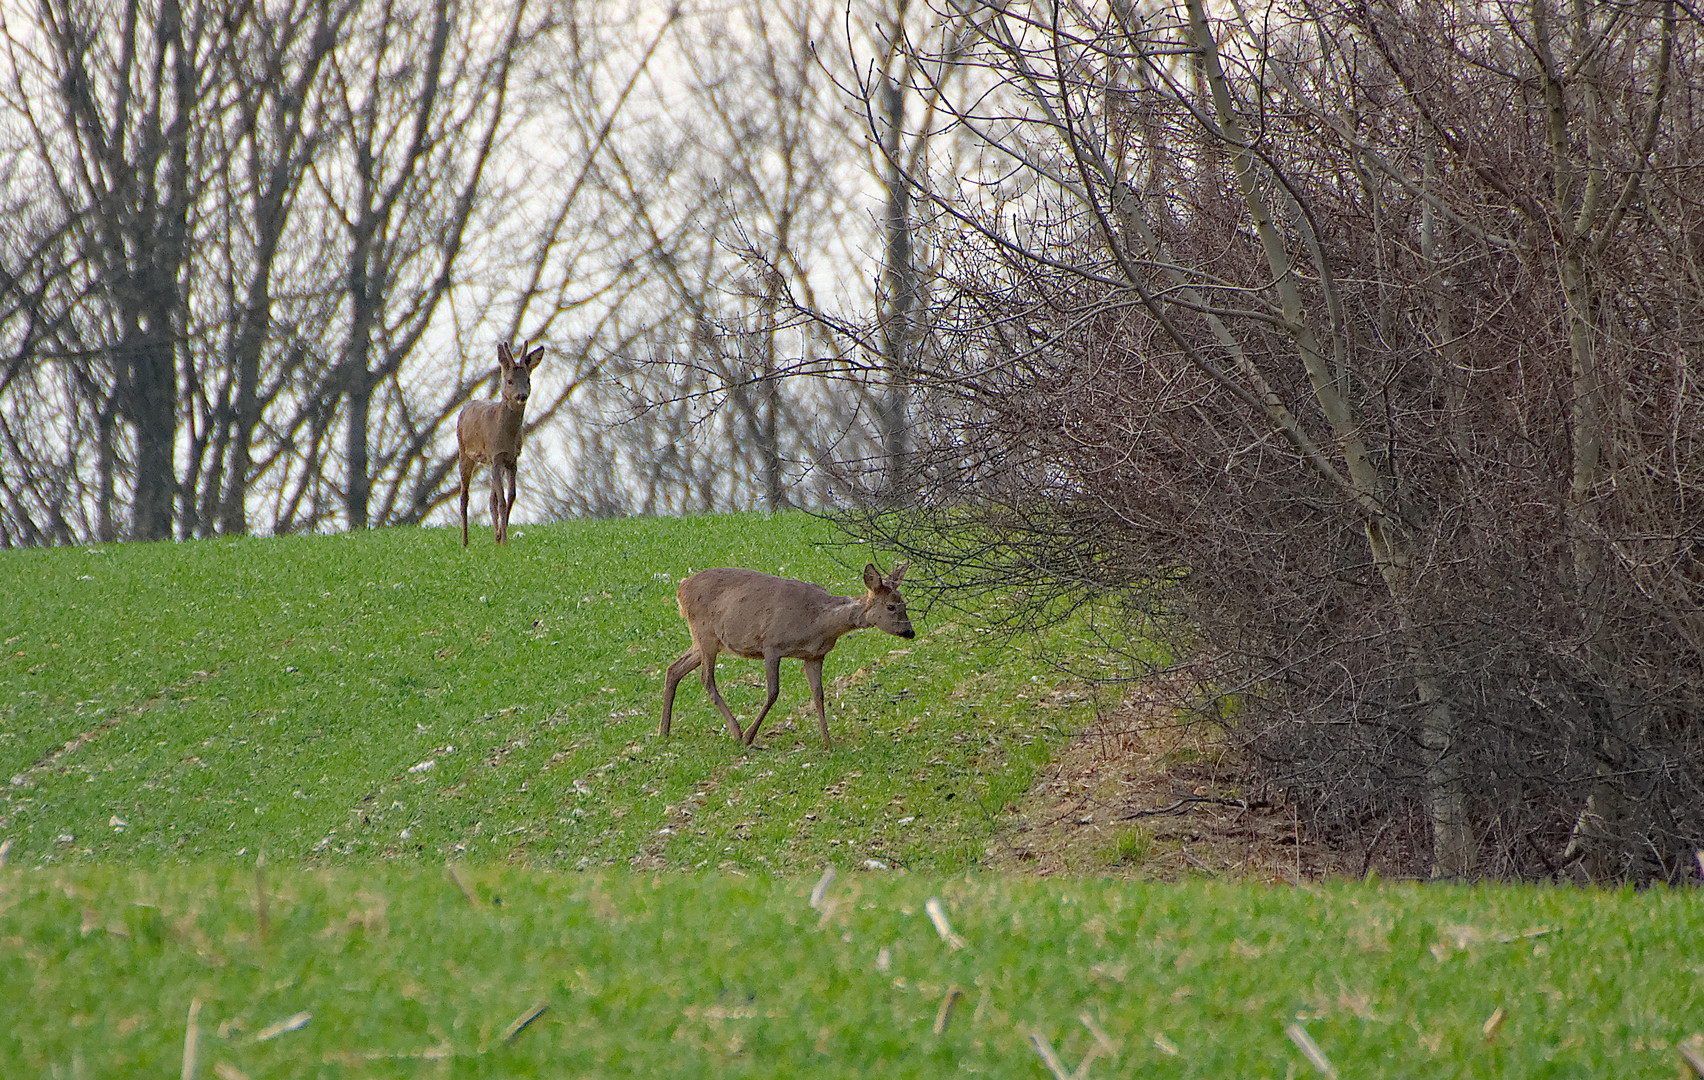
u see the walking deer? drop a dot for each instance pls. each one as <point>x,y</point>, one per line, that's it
<point>489,433</point>
<point>771,619</point>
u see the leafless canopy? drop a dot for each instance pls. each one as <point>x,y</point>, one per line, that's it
<point>1350,348</point>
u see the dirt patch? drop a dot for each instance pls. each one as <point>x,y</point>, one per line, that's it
<point>1143,794</point>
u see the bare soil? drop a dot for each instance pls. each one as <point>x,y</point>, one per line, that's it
<point>1140,793</point>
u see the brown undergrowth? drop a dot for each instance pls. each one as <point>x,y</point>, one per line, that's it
<point>1140,792</point>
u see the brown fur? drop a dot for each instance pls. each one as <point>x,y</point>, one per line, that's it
<point>767,618</point>
<point>490,433</point>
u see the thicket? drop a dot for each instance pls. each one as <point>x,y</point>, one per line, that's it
<point>1355,347</point>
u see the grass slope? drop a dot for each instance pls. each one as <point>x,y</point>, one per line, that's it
<point>387,694</point>
<point>388,971</point>
<point>363,707</point>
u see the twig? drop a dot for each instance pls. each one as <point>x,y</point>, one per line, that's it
<point>938,916</point>
<point>821,889</point>
<point>1310,1050</point>
<point>1494,1024</point>
<point>1198,864</point>
<point>467,893</point>
<point>191,1035</point>
<point>1537,931</point>
<point>280,1027</point>
<point>1551,868</point>
<point>520,1023</point>
<point>1188,803</point>
<point>1692,1052</point>
<point>6,849</point>
<point>1296,821</point>
<point>944,1014</point>
<point>1048,1056</point>
<point>1107,1044</point>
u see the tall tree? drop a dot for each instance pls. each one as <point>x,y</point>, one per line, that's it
<point>277,73</point>
<point>114,139</point>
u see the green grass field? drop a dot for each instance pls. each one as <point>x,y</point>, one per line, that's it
<point>388,695</point>
<point>384,971</point>
<point>364,709</point>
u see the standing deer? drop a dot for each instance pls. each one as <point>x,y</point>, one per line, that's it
<point>489,433</point>
<point>769,618</point>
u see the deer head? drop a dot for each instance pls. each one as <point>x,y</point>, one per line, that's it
<point>516,382</point>
<point>883,605</point>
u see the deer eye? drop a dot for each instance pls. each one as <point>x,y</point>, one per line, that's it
<point>891,607</point>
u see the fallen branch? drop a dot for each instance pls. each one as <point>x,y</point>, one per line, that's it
<point>191,1035</point>
<point>938,916</point>
<point>520,1022</point>
<point>1187,803</point>
<point>467,893</point>
<point>1310,1050</point>
<point>944,1014</point>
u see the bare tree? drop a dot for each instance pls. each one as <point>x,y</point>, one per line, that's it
<point>110,97</point>
<point>276,71</point>
<point>727,202</point>
<point>1329,339</point>
<point>240,231</point>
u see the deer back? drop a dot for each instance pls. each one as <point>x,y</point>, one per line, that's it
<point>756,615</point>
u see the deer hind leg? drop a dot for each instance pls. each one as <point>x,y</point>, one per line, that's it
<point>468,465</point>
<point>678,670</point>
<point>813,673</point>
<point>709,656</point>
<point>772,674</point>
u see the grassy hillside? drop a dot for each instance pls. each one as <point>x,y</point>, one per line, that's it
<point>389,695</point>
<point>364,708</point>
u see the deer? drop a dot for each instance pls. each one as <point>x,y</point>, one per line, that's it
<point>761,617</point>
<point>490,433</point>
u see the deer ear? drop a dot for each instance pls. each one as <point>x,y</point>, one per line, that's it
<point>872,577</point>
<point>898,573</point>
<point>505,358</point>
<point>534,358</point>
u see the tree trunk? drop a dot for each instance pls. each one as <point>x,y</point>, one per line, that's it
<point>901,286</point>
<point>150,405</point>
<point>358,488</point>
<point>1369,489</point>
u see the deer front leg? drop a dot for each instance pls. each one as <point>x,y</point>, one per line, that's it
<point>716,696</point>
<point>813,674</point>
<point>510,470</point>
<point>497,501</point>
<point>678,670</point>
<point>467,467</point>
<point>772,673</point>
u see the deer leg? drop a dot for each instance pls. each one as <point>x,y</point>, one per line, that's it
<point>509,471</point>
<point>716,696</point>
<point>813,673</point>
<point>678,670</point>
<point>496,501</point>
<point>772,673</point>
<point>467,467</point>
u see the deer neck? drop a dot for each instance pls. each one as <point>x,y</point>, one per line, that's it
<point>511,414</point>
<point>857,613</point>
